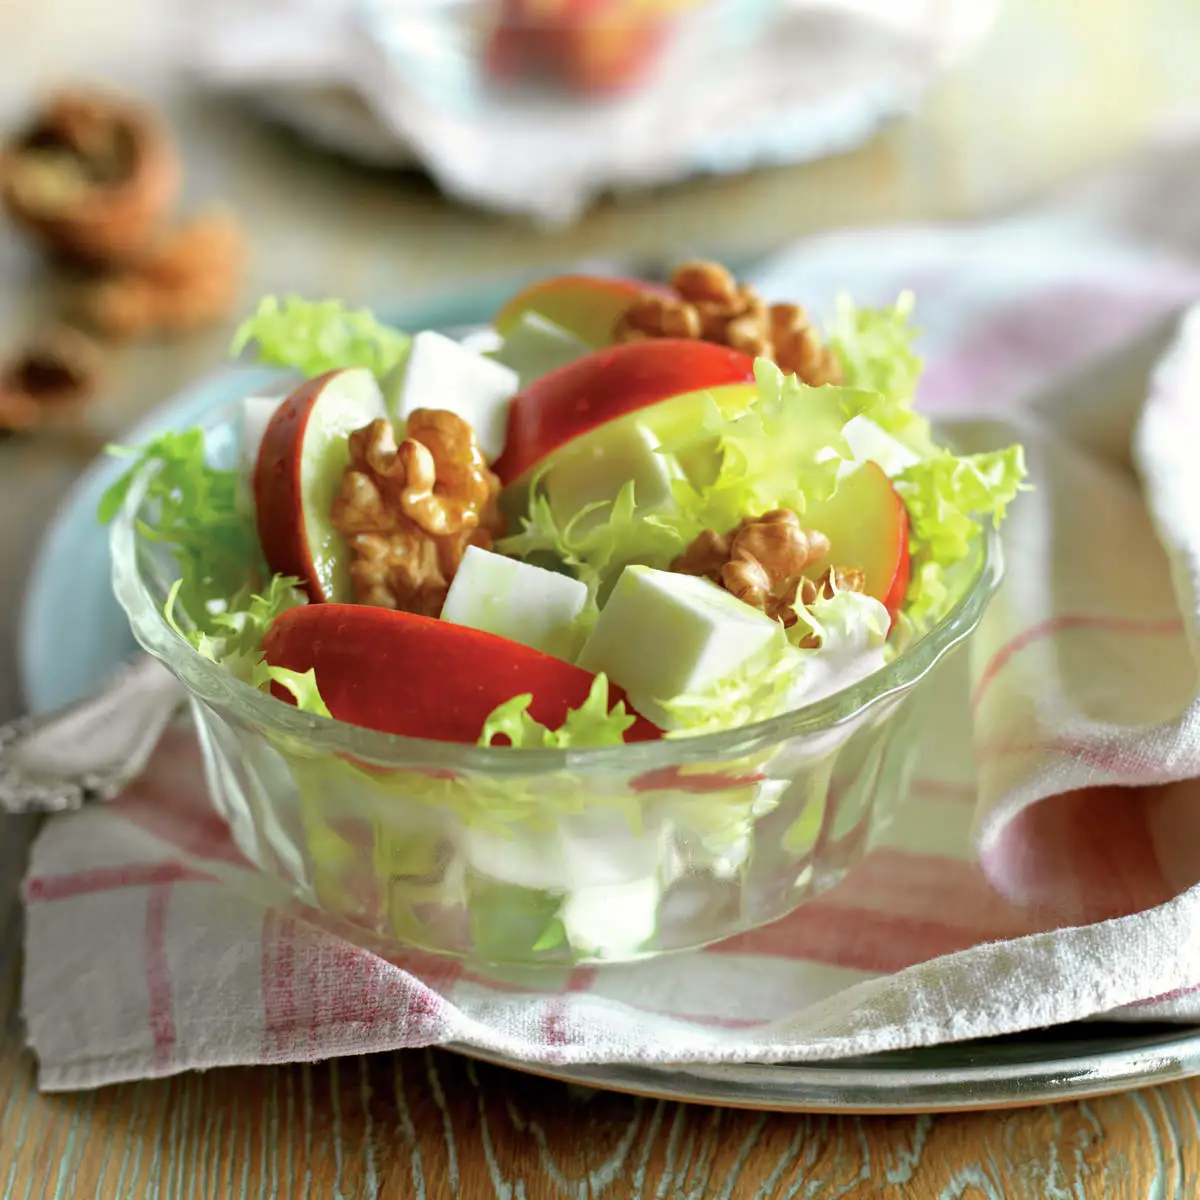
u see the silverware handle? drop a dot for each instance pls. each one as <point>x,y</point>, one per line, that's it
<point>87,752</point>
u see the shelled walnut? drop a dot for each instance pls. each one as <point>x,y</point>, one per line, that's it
<point>763,562</point>
<point>56,369</point>
<point>190,280</point>
<point>711,305</point>
<point>92,178</point>
<point>409,511</point>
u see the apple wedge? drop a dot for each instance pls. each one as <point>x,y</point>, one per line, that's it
<point>867,527</point>
<point>605,385</point>
<point>301,459</point>
<point>588,306</point>
<point>608,46</point>
<point>419,677</point>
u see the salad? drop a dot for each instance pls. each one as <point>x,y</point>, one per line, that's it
<point>639,512</point>
<point>623,512</point>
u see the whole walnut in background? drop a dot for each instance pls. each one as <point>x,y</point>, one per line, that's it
<point>92,178</point>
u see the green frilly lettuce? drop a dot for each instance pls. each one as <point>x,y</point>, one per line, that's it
<point>198,518</point>
<point>315,336</point>
<point>237,643</point>
<point>591,724</point>
<point>786,452</point>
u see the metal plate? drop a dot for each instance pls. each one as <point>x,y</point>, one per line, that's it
<point>1069,1063</point>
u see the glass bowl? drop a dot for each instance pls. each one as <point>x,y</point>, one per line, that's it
<point>541,856</point>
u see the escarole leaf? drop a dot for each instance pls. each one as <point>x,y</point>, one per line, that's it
<point>875,346</point>
<point>196,514</point>
<point>237,644</point>
<point>591,724</point>
<point>594,550</point>
<point>301,684</point>
<point>781,453</point>
<point>760,689</point>
<point>315,336</point>
<point>948,497</point>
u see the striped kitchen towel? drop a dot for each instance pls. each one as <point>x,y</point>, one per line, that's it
<point>1045,870</point>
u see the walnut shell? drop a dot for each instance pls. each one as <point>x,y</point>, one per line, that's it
<point>91,179</point>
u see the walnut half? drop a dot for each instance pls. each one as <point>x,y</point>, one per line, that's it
<point>765,562</point>
<point>410,510</point>
<point>711,305</point>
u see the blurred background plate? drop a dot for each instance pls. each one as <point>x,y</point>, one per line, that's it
<point>730,86</point>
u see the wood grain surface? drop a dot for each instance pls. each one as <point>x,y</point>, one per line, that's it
<point>1061,86</point>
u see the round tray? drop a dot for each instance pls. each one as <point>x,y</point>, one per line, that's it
<point>1069,1063</point>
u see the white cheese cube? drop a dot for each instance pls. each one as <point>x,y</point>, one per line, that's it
<point>868,442</point>
<point>437,372</point>
<point>611,921</point>
<point>512,599</point>
<point>535,347</point>
<point>257,412</point>
<point>663,635</point>
<point>596,848</point>
<point>596,467</point>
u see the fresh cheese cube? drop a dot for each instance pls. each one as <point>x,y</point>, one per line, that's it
<point>663,635</point>
<point>612,921</point>
<point>596,467</point>
<point>594,848</point>
<point>257,412</point>
<point>515,600</point>
<point>439,373</point>
<point>868,442</point>
<point>535,347</point>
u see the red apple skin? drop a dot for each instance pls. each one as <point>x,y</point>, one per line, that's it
<point>867,526</point>
<point>424,678</point>
<point>607,384</point>
<point>591,46</point>
<point>588,306</point>
<point>672,779</point>
<point>610,50</point>
<point>279,510</point>
<point>894,599</point>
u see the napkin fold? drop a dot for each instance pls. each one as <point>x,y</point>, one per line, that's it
<point>1044,868</point>
<point>393,81</point>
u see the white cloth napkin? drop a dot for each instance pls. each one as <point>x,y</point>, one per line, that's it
<point>367,78</point>
<point>1046,865</point>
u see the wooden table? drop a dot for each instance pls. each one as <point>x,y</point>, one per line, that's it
<point>1059,87</point>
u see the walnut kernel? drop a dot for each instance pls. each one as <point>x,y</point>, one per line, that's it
<point>711,305</point>
<point>409,511</point>
<point>761,562</point>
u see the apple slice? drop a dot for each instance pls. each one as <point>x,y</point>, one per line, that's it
<point>608,384</point>
<point>588,306</point>
<point>420,677</point>
<point>304,453</point>
<point>609,46</point>
<point>867,527</point>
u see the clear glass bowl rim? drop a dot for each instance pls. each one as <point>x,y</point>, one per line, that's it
<point>211,683</point>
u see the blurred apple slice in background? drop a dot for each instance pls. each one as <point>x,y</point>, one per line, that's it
<point>587,306</point>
